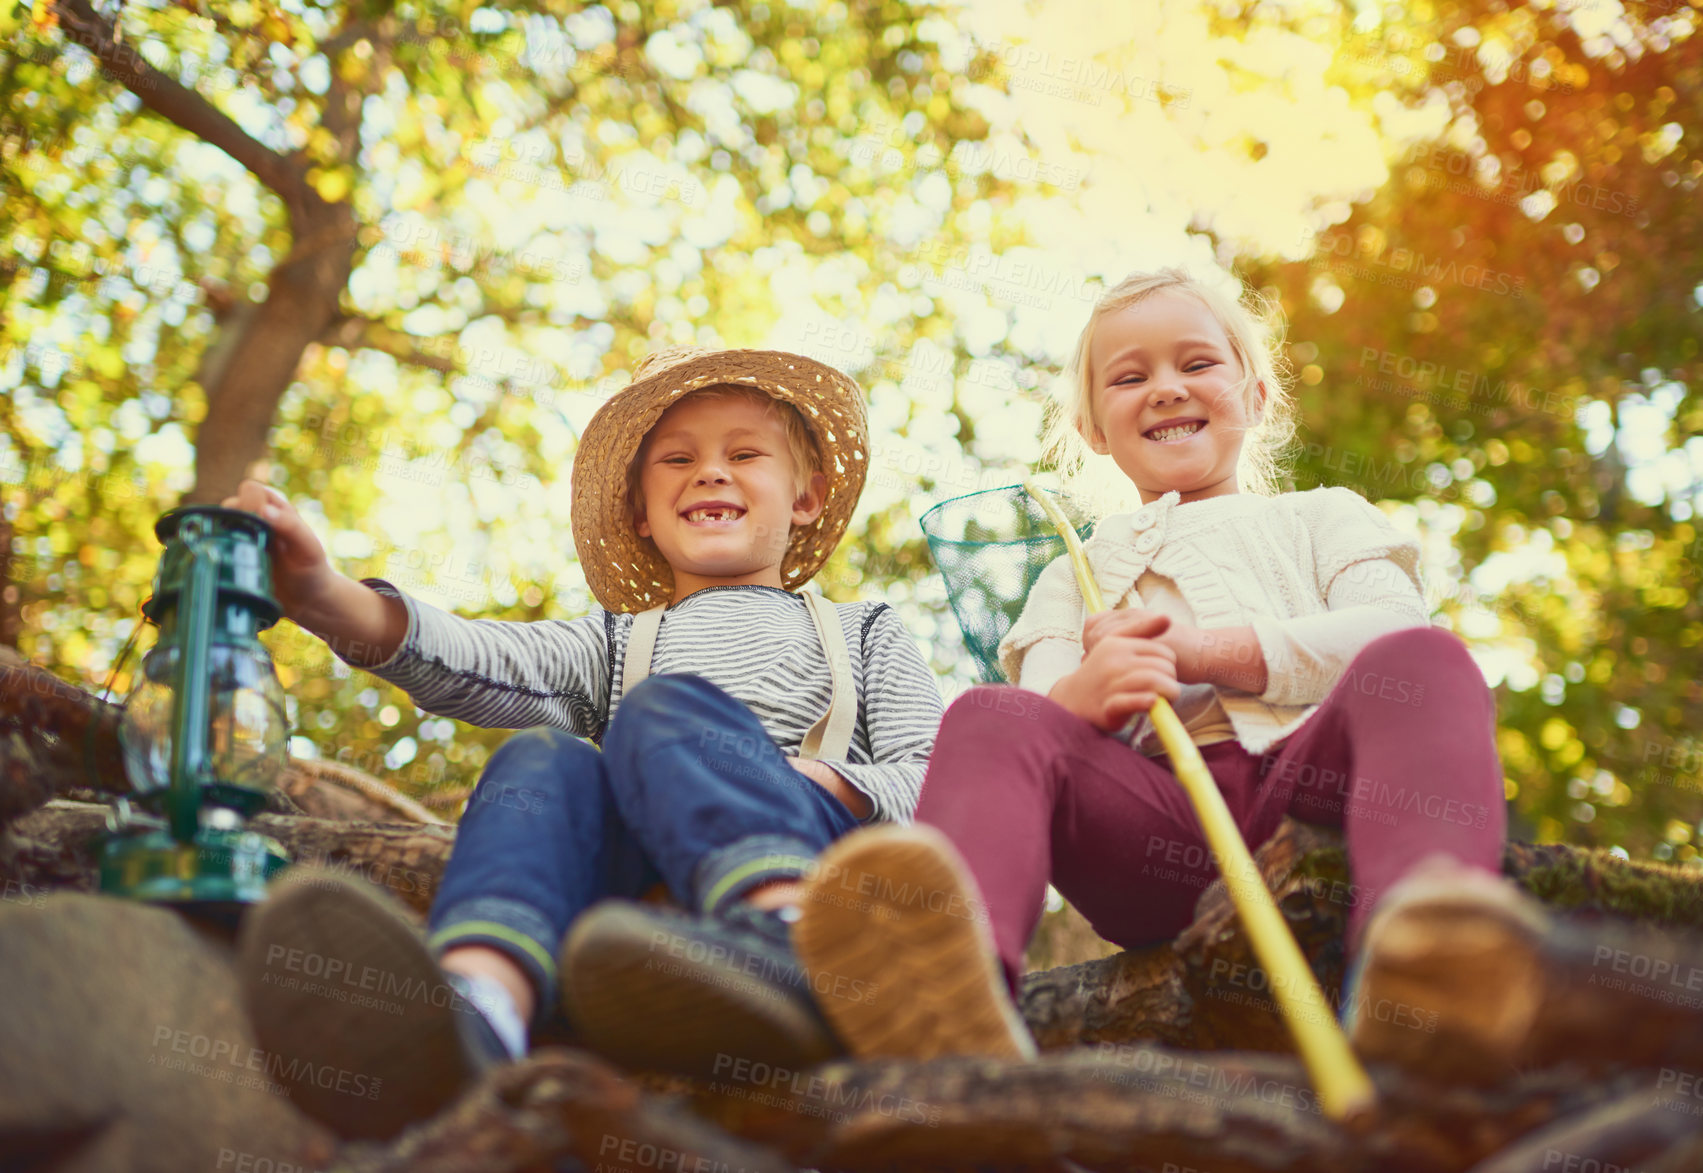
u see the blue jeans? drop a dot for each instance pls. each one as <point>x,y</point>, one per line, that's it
<point>689,791</point>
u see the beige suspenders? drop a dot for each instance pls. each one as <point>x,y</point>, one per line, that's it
<point>641,646</point>
<point>830,737</point>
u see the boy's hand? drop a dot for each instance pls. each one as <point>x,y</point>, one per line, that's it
<point>302,576</point>
<point>828,778</point>
<point>361,625</point>
<point>1126,667</point>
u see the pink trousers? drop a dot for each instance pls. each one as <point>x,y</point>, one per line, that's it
<point>1401,755</point>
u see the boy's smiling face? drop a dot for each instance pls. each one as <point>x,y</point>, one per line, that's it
<point>720,494</point>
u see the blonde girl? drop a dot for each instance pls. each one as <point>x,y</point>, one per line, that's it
<point>1290,633</point>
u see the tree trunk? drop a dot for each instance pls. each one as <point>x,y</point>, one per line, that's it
<point>302,300</point>
<point>304,288</point>
<point>11,599</point>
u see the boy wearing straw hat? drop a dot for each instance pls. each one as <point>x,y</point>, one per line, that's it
<point>743,726</point>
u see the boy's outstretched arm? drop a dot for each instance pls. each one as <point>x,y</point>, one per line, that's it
<point>492,673</point>
<point>361,625</point>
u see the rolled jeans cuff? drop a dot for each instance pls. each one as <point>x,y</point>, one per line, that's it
<point>518,931</point>
<point>727,874</point>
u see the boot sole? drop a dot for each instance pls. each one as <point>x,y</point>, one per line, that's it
<point>898,949</point>
<point>1451,983</point>
<point>654,1000</point>
<point>359,1022</point>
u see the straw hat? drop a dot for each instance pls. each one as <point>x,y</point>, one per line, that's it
<point>625,571</point>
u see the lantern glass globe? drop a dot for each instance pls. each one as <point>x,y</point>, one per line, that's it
<point>248,729</point>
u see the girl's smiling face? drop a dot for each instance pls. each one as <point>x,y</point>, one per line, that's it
<point>1169,405</point>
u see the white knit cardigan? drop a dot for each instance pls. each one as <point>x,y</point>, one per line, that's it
<point>1273,563</point>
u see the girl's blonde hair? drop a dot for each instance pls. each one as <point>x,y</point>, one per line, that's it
<point>1254,325</point>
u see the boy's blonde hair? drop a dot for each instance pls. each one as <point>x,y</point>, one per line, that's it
<point>800,441</point>
<point>1254,326</point>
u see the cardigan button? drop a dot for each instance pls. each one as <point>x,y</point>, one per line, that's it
<point>1144,518</point>
<point>1148,542</point>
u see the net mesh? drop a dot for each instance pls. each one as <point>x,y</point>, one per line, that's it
<point>991,547</point>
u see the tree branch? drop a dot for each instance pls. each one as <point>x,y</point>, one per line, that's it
<point>357,333</point>
<point>341,115</point>
<point>1133,1108</point>
<point>180,105</point>
<point>56,738</point>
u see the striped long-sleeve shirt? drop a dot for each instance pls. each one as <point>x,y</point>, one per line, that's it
<point>756,643</point>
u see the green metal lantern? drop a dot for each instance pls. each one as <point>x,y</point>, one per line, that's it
<point>205,734</point>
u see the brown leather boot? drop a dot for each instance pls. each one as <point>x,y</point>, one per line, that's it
<point>893,932</point>
<point>1449,978</point>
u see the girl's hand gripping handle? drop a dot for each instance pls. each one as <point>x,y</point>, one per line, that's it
<point>1126,668</point>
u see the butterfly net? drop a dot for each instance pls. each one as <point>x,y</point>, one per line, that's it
<point>991,547</point>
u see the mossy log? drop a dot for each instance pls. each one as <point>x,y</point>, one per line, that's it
<point>1138,1108</point>
<point>53,847</point>
<point>1205,990</point>
<point>56,738</point>
<point>1139,1074</point>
